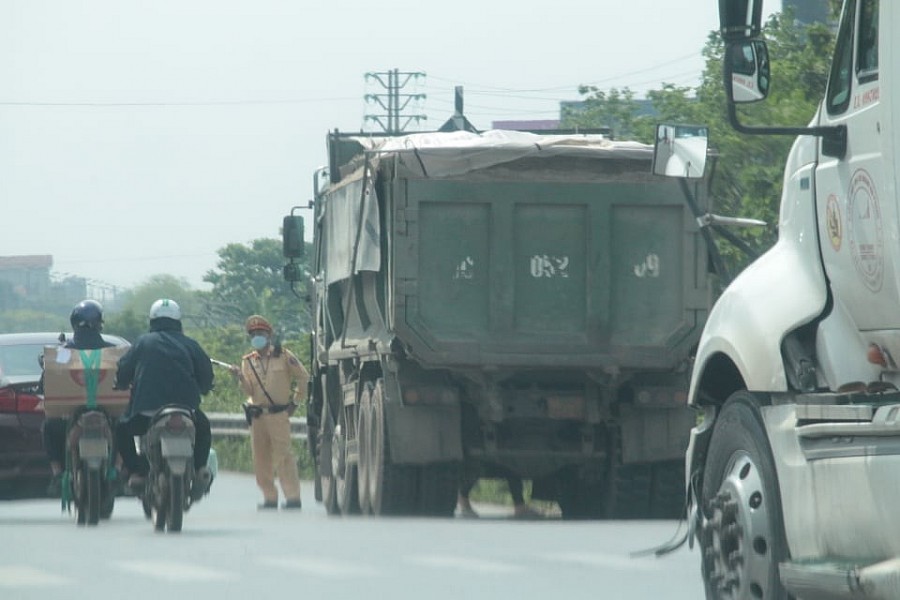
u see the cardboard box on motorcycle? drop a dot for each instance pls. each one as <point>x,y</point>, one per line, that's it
<point>69,375</point>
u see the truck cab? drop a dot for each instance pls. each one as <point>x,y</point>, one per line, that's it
<point>794,467</point>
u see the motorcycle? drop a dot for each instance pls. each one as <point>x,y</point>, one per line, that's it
<point>172,485</point>
<point>89,479</point>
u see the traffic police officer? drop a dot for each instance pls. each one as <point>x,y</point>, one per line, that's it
<point>267,375</point>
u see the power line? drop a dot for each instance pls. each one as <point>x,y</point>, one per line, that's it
<point>474,88</point>
<point>186,104</point>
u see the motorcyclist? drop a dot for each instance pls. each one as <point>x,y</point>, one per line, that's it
<point>87,323</point>
<point>164,367</point>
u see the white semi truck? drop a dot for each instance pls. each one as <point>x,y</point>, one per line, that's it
<point>794,469</point>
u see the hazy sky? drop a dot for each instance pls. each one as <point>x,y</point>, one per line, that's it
<point>139,137</point>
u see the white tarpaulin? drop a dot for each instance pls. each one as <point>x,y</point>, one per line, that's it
<point>458,152</point>
<point>437,154</point>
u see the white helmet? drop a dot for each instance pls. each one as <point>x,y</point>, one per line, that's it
<point>165,308</point>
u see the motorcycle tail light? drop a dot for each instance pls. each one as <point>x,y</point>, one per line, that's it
<point>176,423</point>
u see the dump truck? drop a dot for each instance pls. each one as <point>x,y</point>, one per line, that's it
<point>524,303</point>
<point>794,469</point>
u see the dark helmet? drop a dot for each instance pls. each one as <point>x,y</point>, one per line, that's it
<point>87,314</point>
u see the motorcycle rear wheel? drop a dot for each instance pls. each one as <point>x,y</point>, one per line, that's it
<point>175,516</point>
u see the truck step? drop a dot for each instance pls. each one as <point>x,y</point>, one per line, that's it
<point>842,581</point>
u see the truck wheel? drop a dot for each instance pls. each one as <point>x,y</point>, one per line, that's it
<point>579,498</point>
<point>438,489</point>
<point>363,436</point>
<point>667,495</point>
<point>329,496</point>
<point>628,489</point>
<point>343,472</point>
<point>392,488</point>
<point>742,533</point>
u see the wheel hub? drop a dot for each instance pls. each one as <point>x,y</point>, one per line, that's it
<point>337,453</point>
<point>737,534</point>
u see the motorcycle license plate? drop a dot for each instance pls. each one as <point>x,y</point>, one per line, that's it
<point>176,447</point>
<point>93,448</point>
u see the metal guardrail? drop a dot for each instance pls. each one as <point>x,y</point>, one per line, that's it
<point>234,424</point>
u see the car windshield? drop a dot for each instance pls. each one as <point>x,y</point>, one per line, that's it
<point>21,360</point>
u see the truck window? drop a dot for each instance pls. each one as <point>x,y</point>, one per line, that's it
<point>839,80</point>
<point>867,52</point>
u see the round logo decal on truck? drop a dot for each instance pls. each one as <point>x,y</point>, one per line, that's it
<point>865,232</point>
<point>833,222</point>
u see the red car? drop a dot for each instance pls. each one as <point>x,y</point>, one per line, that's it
<point>24,469</point>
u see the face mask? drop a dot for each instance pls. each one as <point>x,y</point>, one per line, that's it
<point>259,341</point>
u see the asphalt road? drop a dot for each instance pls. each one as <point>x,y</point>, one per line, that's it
<point>228,549</point>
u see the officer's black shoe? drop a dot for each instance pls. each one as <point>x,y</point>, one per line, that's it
<point>292,505</point>
<point>267,505</point>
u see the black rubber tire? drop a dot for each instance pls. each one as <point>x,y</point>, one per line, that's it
<point>628,491</point>
<point>93,498</point>
<point>345,482</point>
<point>438,489</point>
<point>175,516</point>
<point>739,463</point>
<point>79,495</point>
<point>578,498</point>
<point>108,495</point>
<point>159,503</point>
<point>392,488</point>
<point>363,436</point>
<point>329,493</point>
<point>668,493</point>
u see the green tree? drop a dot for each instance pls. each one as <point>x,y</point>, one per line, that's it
<point>249,280</point>
<point>125,323</point>
<point>616,109</point>
<point>141,298</point>
<point>749,173</point>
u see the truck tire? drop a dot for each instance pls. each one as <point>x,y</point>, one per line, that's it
<point>438,489</point>
<point>667,493</point>
<point>628,490</point>
<point>578,497</point>
<point>363,436</point>
<point>342,471</point>
<point>392,488</point>
<point>324,456</point>
<point>741,552</point>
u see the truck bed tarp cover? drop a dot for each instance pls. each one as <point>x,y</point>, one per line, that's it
<point>438,154</point>
<point>459,152</point>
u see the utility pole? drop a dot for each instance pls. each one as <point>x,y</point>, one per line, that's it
<point>393,102</point>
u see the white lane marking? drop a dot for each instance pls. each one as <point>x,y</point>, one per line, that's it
<point>174,571</point>
<point>605,561</point>
<point>25,576</point>
<point>319,567</point>
<point>464,564</point>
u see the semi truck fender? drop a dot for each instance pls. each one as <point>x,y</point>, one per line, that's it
<point>782,290</point>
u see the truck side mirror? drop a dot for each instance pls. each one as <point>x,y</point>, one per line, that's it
<point>293,245</point>
<point>740,19</point>
<point>680,150</point>
<point>747,71</point>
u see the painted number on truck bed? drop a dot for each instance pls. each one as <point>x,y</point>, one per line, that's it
<point>465,269</point>
<point>648,268</point>
<point>543,265</point>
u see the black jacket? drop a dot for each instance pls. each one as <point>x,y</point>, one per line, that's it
<point>164,367</point>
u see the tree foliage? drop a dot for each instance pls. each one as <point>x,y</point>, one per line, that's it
<point>749,171</point>
<point>248,280</point>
